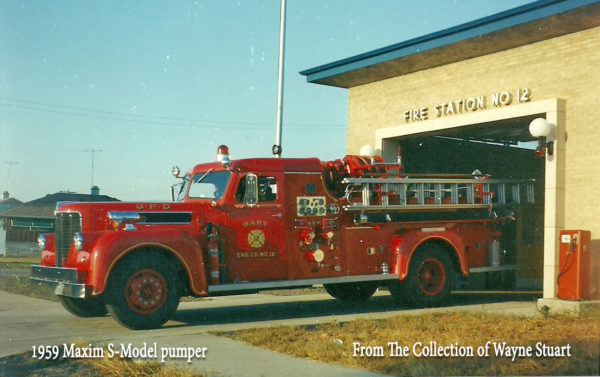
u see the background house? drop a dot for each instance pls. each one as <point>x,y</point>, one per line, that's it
<point>6,203</point>
<point>22,224</point>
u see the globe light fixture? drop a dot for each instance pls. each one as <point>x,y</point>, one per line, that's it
<point>367,151</point>
<point>545,133</point>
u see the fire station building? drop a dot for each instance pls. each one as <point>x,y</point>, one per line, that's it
<point>465,98</point>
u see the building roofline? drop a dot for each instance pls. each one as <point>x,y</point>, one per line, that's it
<point>510,18</point>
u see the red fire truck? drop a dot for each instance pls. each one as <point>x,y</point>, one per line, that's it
<point>242,226</point>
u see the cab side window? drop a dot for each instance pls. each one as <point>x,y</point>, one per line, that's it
<point>267,190</point>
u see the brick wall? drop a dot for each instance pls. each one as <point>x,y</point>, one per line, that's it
<point>564,67</point>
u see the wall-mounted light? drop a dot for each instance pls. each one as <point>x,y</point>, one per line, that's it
<point>367,150</point>
<point>545,133</point>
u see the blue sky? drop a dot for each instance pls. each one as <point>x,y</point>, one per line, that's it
<point>157,83</point>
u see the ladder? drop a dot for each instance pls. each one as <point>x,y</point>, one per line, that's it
<point>405,194</point>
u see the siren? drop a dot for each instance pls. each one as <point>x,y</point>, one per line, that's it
<point>223,155</point>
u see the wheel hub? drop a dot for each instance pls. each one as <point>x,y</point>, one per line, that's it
<point>145,292</point>
<point>431,277</point>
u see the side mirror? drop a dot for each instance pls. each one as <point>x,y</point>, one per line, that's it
<point>251,195</point>
<point>172,193</point>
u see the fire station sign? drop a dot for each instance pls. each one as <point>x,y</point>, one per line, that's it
<point>467,105</point>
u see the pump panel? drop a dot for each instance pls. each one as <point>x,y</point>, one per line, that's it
<point>310,206</point>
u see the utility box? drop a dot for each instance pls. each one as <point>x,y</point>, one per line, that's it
<point>574,265</point>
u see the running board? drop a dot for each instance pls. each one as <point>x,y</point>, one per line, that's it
<point>503,267</point>
<point>264,285</point>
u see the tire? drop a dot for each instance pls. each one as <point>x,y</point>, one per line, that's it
<point>144,291</point>
<point>430,277</point>
<point>84,307</point>
<point>398,292</point>
<point>351,291</point>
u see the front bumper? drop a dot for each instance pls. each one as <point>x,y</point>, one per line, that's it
<point>63,279</point>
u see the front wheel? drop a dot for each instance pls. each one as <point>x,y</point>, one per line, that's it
<point>430,277</point>
<point>84,307</point>
<point>144,292</point>
<point>351,291</point>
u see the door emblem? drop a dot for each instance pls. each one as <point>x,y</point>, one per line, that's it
<point>256,238</point>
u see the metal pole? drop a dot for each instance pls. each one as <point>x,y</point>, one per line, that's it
<point>10,164</point>
<point>277,147</point>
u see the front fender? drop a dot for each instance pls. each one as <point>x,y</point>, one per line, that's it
<point>112,246</point>
<point>405,245</point>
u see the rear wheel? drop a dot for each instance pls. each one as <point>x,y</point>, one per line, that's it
<point>144,293</point>
<point>84,307</point>
<point>351,291</point>
<point>430,276</point>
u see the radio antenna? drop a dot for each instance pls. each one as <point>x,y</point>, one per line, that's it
<point>10,164</point>
<point>92,151</point>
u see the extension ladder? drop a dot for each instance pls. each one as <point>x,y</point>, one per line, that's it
<point>410,194</point>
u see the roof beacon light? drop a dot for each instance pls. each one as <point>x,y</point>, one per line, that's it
<point>223,155</point>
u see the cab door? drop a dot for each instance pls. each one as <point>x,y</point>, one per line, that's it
<point>258,223</point>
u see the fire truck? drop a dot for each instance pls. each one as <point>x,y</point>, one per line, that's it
<point>243,226</point>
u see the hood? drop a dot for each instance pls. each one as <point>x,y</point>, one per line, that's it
<point>94,215</point>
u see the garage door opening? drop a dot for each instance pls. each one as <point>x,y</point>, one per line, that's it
<point>504,149</point>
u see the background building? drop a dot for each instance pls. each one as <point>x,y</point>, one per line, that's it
<point>463,98</point>
<point>6,203</point>
<point>24,223</point>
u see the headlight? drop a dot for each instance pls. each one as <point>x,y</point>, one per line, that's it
<point>78,240</point>
<point>42,242</point>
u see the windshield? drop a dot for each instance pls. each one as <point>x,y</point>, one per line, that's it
<point>209,185</point>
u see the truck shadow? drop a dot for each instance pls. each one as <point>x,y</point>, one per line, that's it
<point>302,309</point>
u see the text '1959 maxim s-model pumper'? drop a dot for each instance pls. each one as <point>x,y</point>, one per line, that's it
<point>242,226</point>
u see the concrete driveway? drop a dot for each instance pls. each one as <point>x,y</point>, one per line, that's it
<point>29,322</point>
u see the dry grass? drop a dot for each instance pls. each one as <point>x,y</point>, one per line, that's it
<point>20,285</point>
<point>24,365</point>
<point>116,366</point>
<point>333,343</point>
<point>24,263</point>
<point>121,367</point>
<point>15,278</point>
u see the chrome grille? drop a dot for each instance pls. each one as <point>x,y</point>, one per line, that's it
<point>67,224</point>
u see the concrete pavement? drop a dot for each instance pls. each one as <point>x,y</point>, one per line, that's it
<point>31,322</point>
